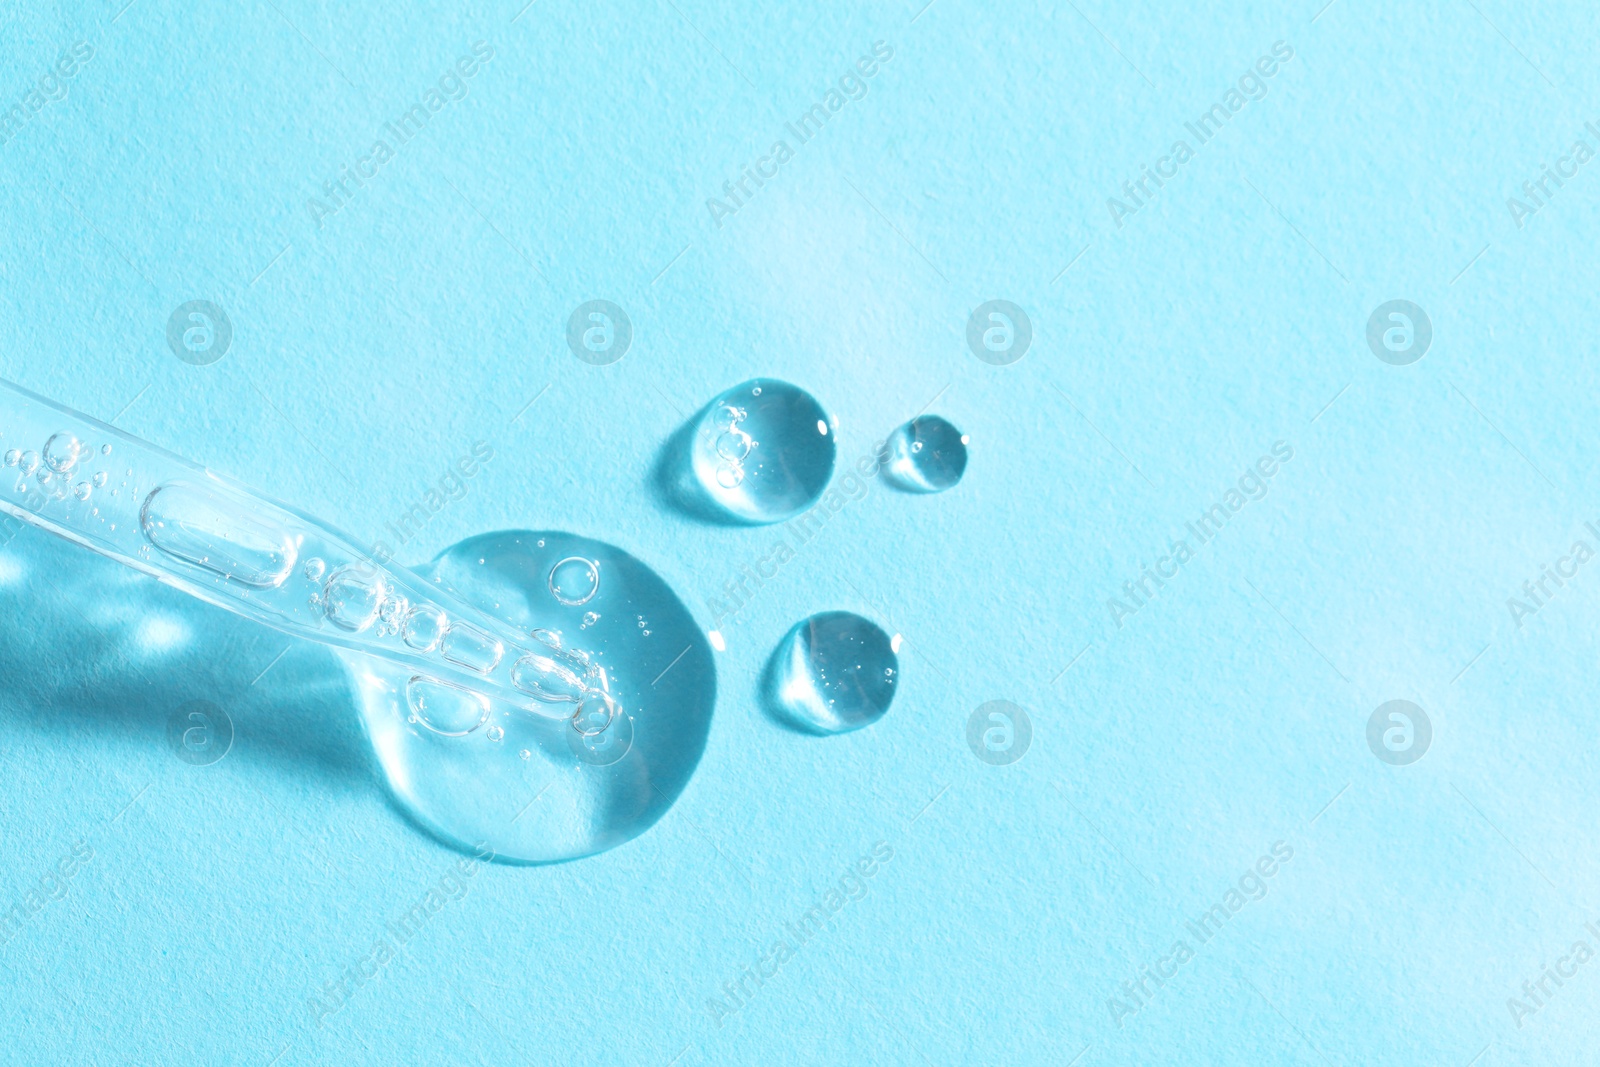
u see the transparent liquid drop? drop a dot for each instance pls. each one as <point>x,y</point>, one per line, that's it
<point>926,455</point>
<point>82,490</point>
<point>574,580</point>
<point>100,478</point>
<point>105,450</point>
<point>62,452</point>
<point>762,452</point>
<point>547,791</point>
<point>315,569</point>
<point>13,457</point>
<point>28,462</point>
<point>495,733</point>
<point>834,672</point>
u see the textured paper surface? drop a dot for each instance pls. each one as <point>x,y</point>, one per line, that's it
<point>374,343</point>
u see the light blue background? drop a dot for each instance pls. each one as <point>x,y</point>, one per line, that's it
<point>1229,314</point>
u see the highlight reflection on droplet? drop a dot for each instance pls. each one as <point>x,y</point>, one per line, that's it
<point>835,672</point>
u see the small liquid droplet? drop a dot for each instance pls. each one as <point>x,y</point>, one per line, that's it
<point>13,457</point>
<point>525,754</point>
<point>495,733</point>
<point>29,462</point>
<point>589,619</point>
<point>82,490</point>
<point>105,450</point>
<point>926,455</point>
<point>100,478</point>
<point>762,451</point>
<point>315,568</point>
<point>835,672</point>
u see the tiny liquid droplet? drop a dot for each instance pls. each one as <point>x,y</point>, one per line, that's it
<point>589,619</point>
<point>13,457</point>
<point>82,490</point>
<point>525,754</point>
<point>495,733</point>
<point>315,568</point>
<point>762,451</point>
<point>926,455</point>
<point>29,462</point>
<point>105,450</point>
<point>835,672</point>
<point>100,478</point>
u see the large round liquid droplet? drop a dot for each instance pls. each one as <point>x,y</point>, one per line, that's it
<point>835,672</point>
<point>926,455</point>
<point>763,451</point>
<point>612,727</point>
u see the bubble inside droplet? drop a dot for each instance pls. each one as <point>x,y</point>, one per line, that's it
<point>62,452</point>
<point>424,627</point>
<point>574,581</point>
<point>762,451</point>
<point>835,672</point>
<point>450,710</point>
<point>351,597</point>
<point>926,455</point>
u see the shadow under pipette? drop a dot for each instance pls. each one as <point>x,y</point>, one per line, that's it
<point>82,635</point>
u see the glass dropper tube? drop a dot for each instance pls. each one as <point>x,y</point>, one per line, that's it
<point>274,564</point>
